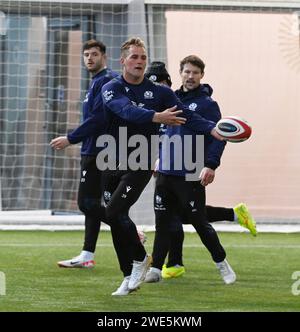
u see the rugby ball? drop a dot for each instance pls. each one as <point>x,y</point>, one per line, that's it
<point>234,129</point>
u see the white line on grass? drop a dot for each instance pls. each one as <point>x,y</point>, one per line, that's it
<point>242,246</point>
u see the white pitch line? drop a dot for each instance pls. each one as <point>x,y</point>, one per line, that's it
<point>242,246</point>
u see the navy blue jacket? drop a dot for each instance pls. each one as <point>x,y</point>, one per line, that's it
<point>133,107</point>
<point>93,119</point>
<point>199,101</point>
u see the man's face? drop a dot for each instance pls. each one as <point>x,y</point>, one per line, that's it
<point>94,60</point>
<point>134,62</point>
<point>190,77</point>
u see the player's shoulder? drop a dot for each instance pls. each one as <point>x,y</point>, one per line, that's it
<point>110,74</point>
<point>104,77</point>
<point>113,82</point>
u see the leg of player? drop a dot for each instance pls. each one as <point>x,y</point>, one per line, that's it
<point>239,213</point>
<point>174,267</point>
<point>89,202</point>
<point>244,218</point>
<point>194,214</point>
<point>121,191</point>
<point>164,217</point>
<point>194,192</point>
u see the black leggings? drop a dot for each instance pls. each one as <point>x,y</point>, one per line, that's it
<point>175,196</point>
<point>213,214</point>
<point>121,190</point>
<point>89,200</point>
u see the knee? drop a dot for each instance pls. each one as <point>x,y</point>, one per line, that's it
<point>176,225</point>
<point>89,205</point>
<point>204,227</point>
<point>162,225</point>
<point>114,216</point>
<point>122,225</point>
<point>111,215</point>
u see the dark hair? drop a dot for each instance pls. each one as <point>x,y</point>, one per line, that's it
<point>94,43</point>
<point>194,60</point>
<point>157,72</point>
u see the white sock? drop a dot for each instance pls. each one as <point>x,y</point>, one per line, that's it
<point>156,270</point>
<point>235,218</point>
<point>87,255</point>
<point>220,263</point>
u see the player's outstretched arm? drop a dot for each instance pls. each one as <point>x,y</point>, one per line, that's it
<point>169,117</point>
<point>217,136</point>
<point>59,143</point>
<point>207,176</point>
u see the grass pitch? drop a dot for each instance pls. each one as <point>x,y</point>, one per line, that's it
<point>264,268</point>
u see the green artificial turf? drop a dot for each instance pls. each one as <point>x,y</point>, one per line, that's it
<point>264,266</point>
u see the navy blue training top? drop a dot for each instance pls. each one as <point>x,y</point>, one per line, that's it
<point>199,101</point>
<point>93,119</point>
<point>133,106</point>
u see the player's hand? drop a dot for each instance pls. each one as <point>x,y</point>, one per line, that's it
<point>60,143</point>
<point>206,176</point>
<point>216,135</point>
<point>156,165</point>
<point>169,117</point>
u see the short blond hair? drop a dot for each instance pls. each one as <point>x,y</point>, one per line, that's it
<point>135,41</point>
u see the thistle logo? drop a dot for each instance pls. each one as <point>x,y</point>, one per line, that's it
<point>158,199</point>
<point>148,95</point>
<point>193,106</point>
<point>2,284</point>
<point>153,78</point>
<point>159,204</point>
<point>107,195</point>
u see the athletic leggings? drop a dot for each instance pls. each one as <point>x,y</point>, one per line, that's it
<point>175,196</point>
<point>213,214</point>
<point>89,200</point>
<point>121,190</point>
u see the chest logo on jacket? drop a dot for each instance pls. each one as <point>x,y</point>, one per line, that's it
<point>193,106</point>
<point>148,95</point>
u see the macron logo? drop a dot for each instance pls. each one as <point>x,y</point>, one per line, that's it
<point>128,188</point>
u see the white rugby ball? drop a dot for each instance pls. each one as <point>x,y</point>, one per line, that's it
<point>234,129</point>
